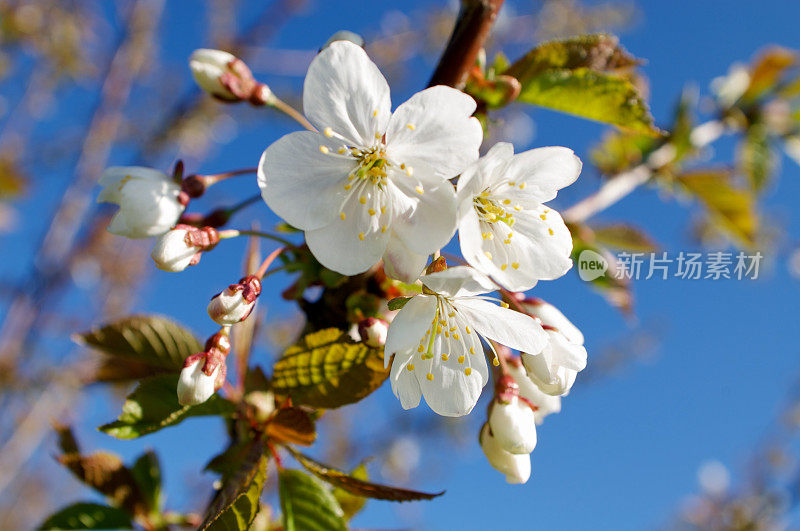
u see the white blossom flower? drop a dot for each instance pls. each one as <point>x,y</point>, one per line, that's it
<point>147,199</point>
<point>436,341</point>
<point>172,252</point>
<point>235,303</point>
<point>505,230</point>
<point>545,404</point>
<point>194,385</point>
<point>513,425</point>
<point>371,184</point>
<point>555,367</point>
<point>516,467</point>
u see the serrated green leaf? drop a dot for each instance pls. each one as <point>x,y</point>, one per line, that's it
<point>598,96</point>
<point>623,236</point>
<point>150,340</point>
<point>86,515</point>
<point>307,504</point>
<point>358,486</point>
<point>153,405</point>
<point>146,472</point>
<point>327,369</point>
<point>352,504</point>
<point>756,157</point>
<point>237,503</point>
<point>733,209</point>
<point>397,303</point>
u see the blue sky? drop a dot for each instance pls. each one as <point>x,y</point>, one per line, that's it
<point>624,452</point>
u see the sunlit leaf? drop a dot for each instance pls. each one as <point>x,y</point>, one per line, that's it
<point>153,405</point>
<point>106,473</point>
<point>358,486</point>
<point>350,503</point>
<point>146,472</point>
<point>327,369</point>
<point>292,425</point>
<point>756,157</point>
<point>623,236</point>
<point>235,506</point>
<point>767,71</point>
<point>307,504</point>
<point>86,515</point>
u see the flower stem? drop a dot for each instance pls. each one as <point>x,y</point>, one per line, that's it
<point>217,177</point>
<point>232,233</point>
<point>292,112</point>
<point>267,261</point>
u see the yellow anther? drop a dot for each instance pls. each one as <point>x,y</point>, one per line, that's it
<point>503,267</point>
<point>506,242</point>
<point>495,362</point>
<point>461,359</point>
<point>375,113</point>
<point>453,328</point>
<point>361,236</point>
<point>372,212</point>
<point>383,210</point>
<point>521,186</point>
<point>517,208</point>
<point>420,348</point>
<point>410,366</point>
<point>324,150</point>
<point>342,215</point>
<point>512,183</point>
<point>515,265</point>
<point>550,231</point>
<point>348,186</point>
<point>510,234</point>
<point>472,350</point>
<point>456,337</point>
<point>446,333</point>
<point>410,126</point>
<point>468,371</point>
<point>438,329</point>
<point>403,166</point>
<point>328,132</point>
<point>468,330</point>
<point>429,376</point>
<point>419,190</point>
<point>543,216</point>
<point>488,255</point>
<point>504,304</point>
<point>362,200</point>
<point>410,171</point>
<point>445,357</point>
<point>506,201</point>
<point>383,229</point>
<point>341,151</point>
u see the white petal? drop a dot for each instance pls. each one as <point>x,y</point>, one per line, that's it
<point>433,132</point>
<point>301,184</point>
<point>459,281</point>
<point>401,263</point>
<point>544,171</point>
<point>513,426</point>
<point>542,247</point>
<point>424,221</point>
<point>528,390</point>
<point>148,208</point>
<point>404,383</point>
<point>409,325</point>
<point>194,387</point>
<point>345,91</point>
<point>508,327</point>
<point>565,353</point>
<point>517,468</point>
<point>114,178</point>
<point>551,316</point>
<point>483,172</point>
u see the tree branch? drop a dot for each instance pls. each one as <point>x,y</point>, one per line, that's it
<point>472,28</point>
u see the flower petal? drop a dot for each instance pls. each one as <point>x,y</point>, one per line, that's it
<point>482,173</point>
<point>345,91</point>
<point>300,183</point>
<point>405,385</point>
<point>459,281</point>
<point>409,325</point>
<point>400,262</point>
<point>114,178</point>
<point>542,244</point>
<point>425,221</point>
<point>433,132</point>
<point>543,171</point>
<point>508,327</point>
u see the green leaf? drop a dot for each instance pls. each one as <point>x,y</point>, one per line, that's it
<point>582,76</point>
<point>397,303</point>
<point>154,405</point>
<point>105,472</point>
<point>237,503</point>
<point>307,504</point>
<point>327,369</point>
<point>733,209</point>
<point>358,486</point>
<point>626,237</point>
<point>593,95</point>
<point>352,504</point>
<point>756,157</point>
<point>147,474</point>
<point>767,71</point>
<point>87,515</point>
<point>141,343</point>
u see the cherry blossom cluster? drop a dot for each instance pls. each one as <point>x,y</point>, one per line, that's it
<point>368,185</point>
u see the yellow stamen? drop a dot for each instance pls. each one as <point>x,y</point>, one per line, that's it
<point>362,200</point>
<point>468,371</point>
<point>419,190</point>
<point>410,366</point>
<point>515,265</point>
<point>361,236</point>
<point>429,376</point>
<point>461,359</point>
<point>342,215</point>
<point>324,150</point>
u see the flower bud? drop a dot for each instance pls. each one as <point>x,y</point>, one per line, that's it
<point>516,467</point>
<point>227,77</point>
<point>545,404</point>
<point>554,369</point>
<point>235,303</point>
<point>513,425</point>
<point>373,331</point>
<point>181,247</point>
<point>262,404</point>
<point>551,316</point>
<point>148,201</point>
<point>196,384</point>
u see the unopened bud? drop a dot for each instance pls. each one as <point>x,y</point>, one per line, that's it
<point>543,403</point>
<point>227,77</point>
<point>373,331</point>
<point>516,467</point>
<point>235,303</point>
<point>182,246</point>
<point>196,384</point>
<point>513,425</point>
<point>549,315</point>
<point>262,404</point>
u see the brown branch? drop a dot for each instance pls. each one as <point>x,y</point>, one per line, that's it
<point>471,30</point>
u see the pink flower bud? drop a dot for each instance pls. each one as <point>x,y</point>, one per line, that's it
<point>182,246</point>
<point>195,385</point>
<point>235,303</point>
<point>373,331</point>
<point>227,77</point>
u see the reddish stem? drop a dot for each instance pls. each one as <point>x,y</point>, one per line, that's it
<point>268,261</point>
